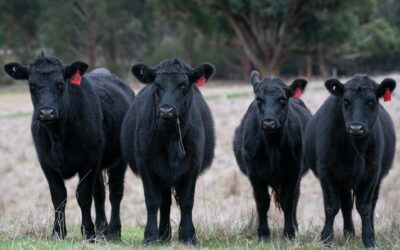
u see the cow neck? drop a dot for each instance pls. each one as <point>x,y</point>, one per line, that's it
<point>273,140</point>
<point>172,131</point>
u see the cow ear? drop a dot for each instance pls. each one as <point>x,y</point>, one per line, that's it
<point>71,69</point>
<point>204,69</point>
<point>387,84</point>
<point>334,86</point>
<point>17,71</point>
<point>143,73</point>
<point>297,87</point>
<point>255,79</point>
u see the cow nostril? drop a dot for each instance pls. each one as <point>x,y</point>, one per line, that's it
<point>47,114</point>
<point>356,128</point>
<point>166,111</point>
<point>269,124</point>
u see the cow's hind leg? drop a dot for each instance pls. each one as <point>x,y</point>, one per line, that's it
<point>116,176</point>
<point>185,198</point>
<point>165,209</point>
<point>347,207</point>
<point>99,196</point>
<point>262,199</point>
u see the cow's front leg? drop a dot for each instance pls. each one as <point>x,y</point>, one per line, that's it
<point>152,195</point>
<point>185,198</point>
<point>364,203</point>
<point>331,205</point>
<point>84,196</point>
<point>59,198</point>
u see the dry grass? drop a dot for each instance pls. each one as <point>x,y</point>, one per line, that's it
<point>224,206</point>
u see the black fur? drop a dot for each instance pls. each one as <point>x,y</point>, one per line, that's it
<point>271,157</point>
<point>169,152</point>
<point>80,137</point>
<point>350,164</point>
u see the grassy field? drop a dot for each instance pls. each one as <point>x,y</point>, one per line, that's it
<point>224,212</point>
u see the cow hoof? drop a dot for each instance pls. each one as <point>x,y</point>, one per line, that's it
<point>150,240</point>
<point>165,236</point>
<point>190,241</point>
<point>290,233</point>
<point>264,238</point>
<point>114,233</point>
<point>101,230</point>
<point>349,233</point>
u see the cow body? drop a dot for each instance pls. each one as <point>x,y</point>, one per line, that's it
<point>81,137</point>
<point>270,155</point>
<point>168,140</point>
<point>350,146</point>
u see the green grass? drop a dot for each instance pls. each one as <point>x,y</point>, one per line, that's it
<point>15,115</point>
<point>209,239</point>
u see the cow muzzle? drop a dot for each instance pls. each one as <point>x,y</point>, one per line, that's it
<point>47,114</point>
<point>270,125</point>
<point>167,112</point>
<point>356,130</point>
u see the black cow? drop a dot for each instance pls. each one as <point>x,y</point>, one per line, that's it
<point>350,145</point>
<point>75,127</point>
<point>168,139</point>
<point>268,147</point>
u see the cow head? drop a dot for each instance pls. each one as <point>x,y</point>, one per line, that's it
<point>173,82</point>
<point>47,78</point>
<point>359,99</point>
<point>272,99</point>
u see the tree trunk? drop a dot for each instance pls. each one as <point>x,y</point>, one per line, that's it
<point>309,66</point>
<point>321,62</point>
<point>245,66</point>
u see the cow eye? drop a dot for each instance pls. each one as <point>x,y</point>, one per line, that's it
<point>258,99</point>
<point>282,101</point>
<point>371,103</point>
<point>346,103</point>
<point>32,87</point>
<point>60,86</point>
<point>183,87</point>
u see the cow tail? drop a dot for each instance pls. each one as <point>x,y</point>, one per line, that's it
<point>275,194</point>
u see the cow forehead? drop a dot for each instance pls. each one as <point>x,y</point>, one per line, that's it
<point>272,88</point>
<point>171,78</point>
<point>361,83</point>
<point>46,77</point>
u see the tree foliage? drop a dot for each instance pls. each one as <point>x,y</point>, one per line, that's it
<point>236,35</point>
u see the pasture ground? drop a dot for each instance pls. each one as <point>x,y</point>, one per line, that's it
<point>224,212</point>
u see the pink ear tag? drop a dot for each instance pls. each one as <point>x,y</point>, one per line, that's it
<point>76,78</point>
<point>297,93</point>
<point>201,82</point>
<point>387,97</point>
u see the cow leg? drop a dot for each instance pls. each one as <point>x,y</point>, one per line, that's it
<point>185,198</point>
<point>99,196</point>
<point>152,195</point>
<point>364,204</point>
<point>287,199</point>
<point>59,198</point>
<point>331,206</point>
<point>374,200</point>
<point>84,196</point>
<point>116,177</point>
<point>296,202</point>
<point>347,208</point>
<point>165,226</point>
<point>262,199</point>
